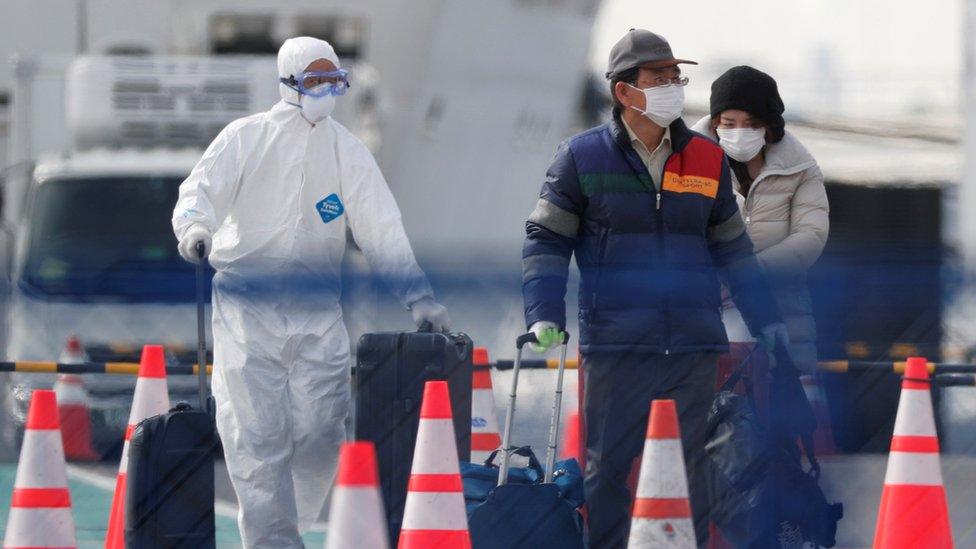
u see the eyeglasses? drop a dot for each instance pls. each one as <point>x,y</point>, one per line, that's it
<point>319,83</point>
<point>663,82</point>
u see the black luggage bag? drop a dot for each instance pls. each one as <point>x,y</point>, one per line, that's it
<point>169,500</point>
<point>391,369</point>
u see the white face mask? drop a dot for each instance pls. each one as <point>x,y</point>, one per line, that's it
<point>664,103</point>
<point>316,109</point>
<point>742,144</point>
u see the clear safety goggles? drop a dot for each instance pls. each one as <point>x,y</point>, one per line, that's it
<point>319,83</point>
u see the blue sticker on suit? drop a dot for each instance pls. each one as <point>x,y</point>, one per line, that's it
<point>330,208</point>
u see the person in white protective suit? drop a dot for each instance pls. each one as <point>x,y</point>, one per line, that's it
<point>271,200</point>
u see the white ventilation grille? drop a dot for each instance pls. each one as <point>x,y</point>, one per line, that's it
<point>163,101</point>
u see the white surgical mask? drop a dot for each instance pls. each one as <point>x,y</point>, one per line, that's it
<point>742,144</point>
<point>664,103</point>
<point>316,109</point>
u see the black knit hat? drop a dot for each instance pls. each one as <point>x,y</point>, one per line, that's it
<point>747,89</point>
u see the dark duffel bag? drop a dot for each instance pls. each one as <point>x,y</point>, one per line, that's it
<point>391,369</point>
<point>511,516</point>
<point>761,497</point>
<point>480,479</point>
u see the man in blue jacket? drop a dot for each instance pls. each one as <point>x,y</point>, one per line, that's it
<point>647,207</point>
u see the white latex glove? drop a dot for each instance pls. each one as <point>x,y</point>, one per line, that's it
<point>428,310</point>
<point>188,246</point>
<point>547,334</point>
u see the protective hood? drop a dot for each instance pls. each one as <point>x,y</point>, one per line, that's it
<point>296,54</point>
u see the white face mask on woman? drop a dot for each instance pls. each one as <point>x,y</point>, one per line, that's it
<point>664,104</point>
<point>742,144</point>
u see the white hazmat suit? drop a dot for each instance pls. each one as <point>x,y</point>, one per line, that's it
<point>276,194</point>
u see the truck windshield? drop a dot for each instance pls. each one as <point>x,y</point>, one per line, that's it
<point>106,239</point>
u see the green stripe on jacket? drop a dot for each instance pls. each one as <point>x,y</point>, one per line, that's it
<point>595,183</point>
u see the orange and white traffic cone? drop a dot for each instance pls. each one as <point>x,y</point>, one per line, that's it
<point>484,418</point>
<point>434,514</point>
<point>914,512</point>
<point>75,414</point>
<point>662,512</point>
<point>74,406</point>
<point>151,398</point>
<point>823,437</point>
<point>40,510</point>
<point>356,515</point>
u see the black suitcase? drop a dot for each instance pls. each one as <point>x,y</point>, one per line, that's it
<point>169,500</point>
<point>391,369</point>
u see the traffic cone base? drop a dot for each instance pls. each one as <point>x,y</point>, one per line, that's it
<point>37,528</point>
<point>905,501</point>
<point>913,511</point>
<point>40,507</point>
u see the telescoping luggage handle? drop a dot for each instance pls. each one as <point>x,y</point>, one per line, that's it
<point>202,331</point>
<point>510,412</point>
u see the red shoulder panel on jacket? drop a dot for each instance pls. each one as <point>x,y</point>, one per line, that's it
<point>698,171</point>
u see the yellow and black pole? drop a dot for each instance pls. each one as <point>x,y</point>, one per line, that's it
<point>896,367</point>
<point>110,368</point>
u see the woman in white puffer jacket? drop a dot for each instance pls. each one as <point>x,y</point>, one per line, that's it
<point>781,197</point>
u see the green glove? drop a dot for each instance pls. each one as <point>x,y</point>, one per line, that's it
<point>548,335</point>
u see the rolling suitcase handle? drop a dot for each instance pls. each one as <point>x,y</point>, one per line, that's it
<point>556,411</point>
<point>202,333</point>
<point>510,412</point>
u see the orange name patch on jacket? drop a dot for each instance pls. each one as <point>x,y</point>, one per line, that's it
<point>696,170</point>
<point>690,184</point>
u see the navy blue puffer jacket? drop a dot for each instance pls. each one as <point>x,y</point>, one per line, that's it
<point>649,260</point>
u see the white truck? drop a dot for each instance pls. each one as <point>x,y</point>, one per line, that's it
<point>88,206</point>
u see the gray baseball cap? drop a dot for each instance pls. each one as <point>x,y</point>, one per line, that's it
<point>641,48</point>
